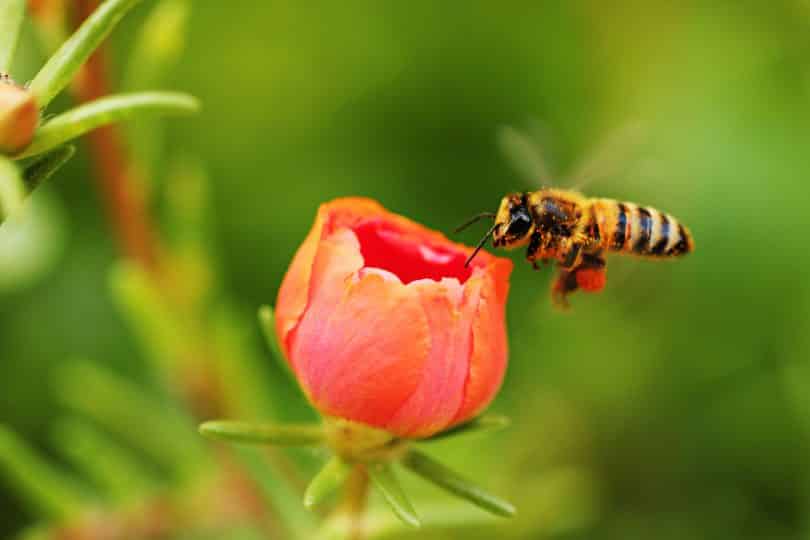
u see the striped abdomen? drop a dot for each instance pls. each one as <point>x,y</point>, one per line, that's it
<point>638,230</point>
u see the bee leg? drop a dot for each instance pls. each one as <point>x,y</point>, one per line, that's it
<point>534,246</point>
<point>531,251</point>
<point>562,286</point>
<point>590,276</point>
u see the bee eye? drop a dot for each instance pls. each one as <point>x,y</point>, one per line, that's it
<point>519,224</point>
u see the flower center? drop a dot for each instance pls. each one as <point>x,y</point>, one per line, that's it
<point>408,256</point>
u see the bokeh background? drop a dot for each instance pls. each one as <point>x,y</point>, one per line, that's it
<point>674,405</point>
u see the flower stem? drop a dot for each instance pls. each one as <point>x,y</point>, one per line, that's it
<point>355,501</point>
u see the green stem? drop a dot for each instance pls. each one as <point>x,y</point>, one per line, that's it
<point>57,73</point>
<point>356,500</point>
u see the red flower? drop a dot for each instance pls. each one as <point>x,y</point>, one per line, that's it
<point>383,324</point>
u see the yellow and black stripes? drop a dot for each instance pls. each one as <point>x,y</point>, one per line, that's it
<point>577,232</point>
<point>629,228</point>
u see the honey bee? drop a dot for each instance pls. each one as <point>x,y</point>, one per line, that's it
<point>577,232</point>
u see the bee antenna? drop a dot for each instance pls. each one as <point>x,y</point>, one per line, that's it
<point>480,245</point>
<point>474,219</point>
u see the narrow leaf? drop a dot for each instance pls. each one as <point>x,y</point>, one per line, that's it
<point>249,390</point>
<point>12,189</point>
<point>278,492</point>
<point>145,310</point>
<point>112,468</point>
<point>48,491</point>
<point>434,515</point>
<point>36,532</point>
<point>11,17</point>
<point>156,51</point>
<point>482,423</point>
<point>435,472</point>
<point>267,319</point>
<point>326,482</point>
<point>43,168</point>
<point>188,215</point>
<point>256,433</point>
<point>386,481</point>
<point>58,71</point>
<point>142,420</point>
<point>107,110</point>
<point>158,45</point>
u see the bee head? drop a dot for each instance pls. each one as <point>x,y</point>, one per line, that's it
<point>512,228</point>
<point>513,222</point>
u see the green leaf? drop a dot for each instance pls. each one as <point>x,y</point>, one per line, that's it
<point>149,318</point>
<point>434,515</point>
<point>256,433</point>
<point>58,71</point>
<point>156,52</point>
<point>158,45</point>
<point>279,493</point>
<point>249,390</point>
<point>107,110</point>
<point>47,490</point>
<point>114,469</point>
<point>482,423</point>
<point>43,168</point>
<point>15,186</point>
<point>11,17</point>
<point>144,421</point>
<point>12,189</point>
<point>36,532</point>
<point>267,320</point>
<point>435,472</point>
<point>382,474</point>
<point>327,481</point>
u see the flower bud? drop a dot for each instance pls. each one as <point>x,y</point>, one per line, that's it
<point>19,117</point>
<point>384,325</point>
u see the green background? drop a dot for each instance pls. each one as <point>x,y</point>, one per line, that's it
<point>673,405</point>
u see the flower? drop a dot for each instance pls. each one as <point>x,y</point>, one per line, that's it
<point>383,324</point>
<point>19,117</point>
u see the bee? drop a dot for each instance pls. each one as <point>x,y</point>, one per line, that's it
<point>577,232</point>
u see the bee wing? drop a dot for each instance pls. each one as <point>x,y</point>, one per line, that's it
<point>611,155</point>
<point>525,153</point>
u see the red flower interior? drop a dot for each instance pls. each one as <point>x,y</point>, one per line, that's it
<point>406,256</point>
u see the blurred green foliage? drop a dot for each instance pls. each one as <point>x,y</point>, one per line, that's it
<point>673,405</point>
